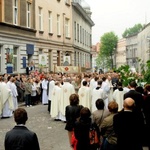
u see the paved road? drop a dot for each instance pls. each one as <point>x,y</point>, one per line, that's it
<point>51,134</point>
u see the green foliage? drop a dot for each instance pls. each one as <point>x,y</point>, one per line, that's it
<point>107,49</point>
<point>133,30</point>
<point>108,44</point>
<point>127,76</point>
<point>147,72</point>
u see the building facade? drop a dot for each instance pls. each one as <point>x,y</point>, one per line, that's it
<point>132,51</point>
<point>121,53</point>
<point>41,32</point>
<point>82,33</point>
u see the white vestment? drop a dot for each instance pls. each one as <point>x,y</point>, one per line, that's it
<point>96,94</point>
<point>118,96</point>
<point>7,105</point>
<point>66,90</point>
<point>55,102</point>
<point>93,84</point>
<point>44,94</point>
<point>85,96</point>
<point>106,87</point>
<point>14,95</point>
<point>51,86</point>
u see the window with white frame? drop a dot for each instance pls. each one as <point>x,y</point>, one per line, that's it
<point>40,19</point>
<point>40,51</point>
<point>78,32</point>
<point>15,62</point>
<point>75,30</point>
<point>50,21</point>
<point>67,27</point>
<point>58,24</point>
<point>15,12</point>
<point>28,15</point>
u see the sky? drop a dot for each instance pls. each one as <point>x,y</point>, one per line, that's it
<point>117,15</point>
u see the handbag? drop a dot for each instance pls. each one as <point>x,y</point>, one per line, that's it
<point>73,141</point>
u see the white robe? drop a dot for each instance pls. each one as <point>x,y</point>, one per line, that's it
<point>85,96</point>
<point>66,90</point>
<point>7,105</point>
<point>14,95</point>
<point>96,94</point>
<point>118,96</point>
<point>44,94</point>
<point>106,87</point>
<point>55,102</point>
<point>93,84</point>
<point>51,86</point>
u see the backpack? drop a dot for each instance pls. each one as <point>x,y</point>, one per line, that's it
<point>94,136</point>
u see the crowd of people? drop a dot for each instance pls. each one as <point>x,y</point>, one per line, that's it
<point>122,113</point>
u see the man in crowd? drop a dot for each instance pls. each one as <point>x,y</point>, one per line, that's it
<point>128,127</point>
<point>20,138</point>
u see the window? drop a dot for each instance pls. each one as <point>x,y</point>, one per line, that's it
<point>75,31</point>
<point>78,32</point>
<point>58,24</point>
<point>28,15</point>
<point>50,21</point>
<point>40,19</point>
<point>15,50</point>
<point>67,29</point>
<point>15,12</point>
<point>40,51</point>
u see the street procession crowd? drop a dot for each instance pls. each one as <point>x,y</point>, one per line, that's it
<point>121,113</point>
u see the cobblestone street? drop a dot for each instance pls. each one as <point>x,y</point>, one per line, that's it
<point>51,134</point>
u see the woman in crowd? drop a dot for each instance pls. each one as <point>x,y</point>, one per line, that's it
<point>99,114</point>
<point>107,131</point>
<point>81,129</point>
<point>72,113</point>
<point>28,91</point>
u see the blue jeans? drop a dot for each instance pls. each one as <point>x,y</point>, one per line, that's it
<point>107,146</point>
<point>28,99</point>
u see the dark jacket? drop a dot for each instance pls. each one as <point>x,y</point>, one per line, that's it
<point>72,113</point>
<point>146,111</point>
<point>137,97</point>
<point>128,128</point>
<point>81,131</point>
<point>20,138</point>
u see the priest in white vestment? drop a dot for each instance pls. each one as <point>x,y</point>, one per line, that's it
<point>50,89</point>
<point>98,93</point>
<point>93,83</point>
<point>7,105</point>
<point>55,101</point>
<point>106,87</point>
<point>85,95</point>
<point>44,93</point>
<point>66,90</point>
<point>118,96</point>
<point>14,94</point>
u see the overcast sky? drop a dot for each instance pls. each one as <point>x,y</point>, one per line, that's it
<point>117,15</point>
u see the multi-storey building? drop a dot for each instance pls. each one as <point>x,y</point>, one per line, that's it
<point>42,32</point>
<point>17,34</point>
<point>121,53</point>
<point>132,51</point>
<point>82,33</point>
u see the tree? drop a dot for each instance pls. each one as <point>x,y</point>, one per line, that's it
<point>107,49</point>
<point>133,30</point>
